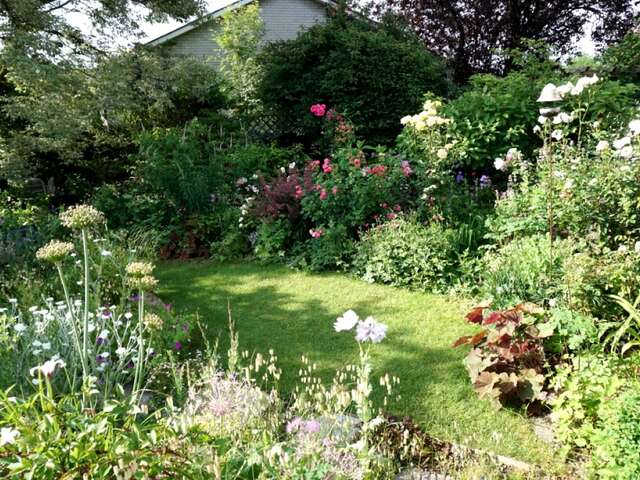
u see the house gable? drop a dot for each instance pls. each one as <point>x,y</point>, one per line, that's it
<point>283,20</point>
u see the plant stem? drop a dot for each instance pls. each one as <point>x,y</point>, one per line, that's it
<point>85,314</point>
<point>137,379</point>
<point>76,336</point>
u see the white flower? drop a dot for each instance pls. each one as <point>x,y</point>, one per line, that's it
<point>537,129</point>
<point>48,368</point>
<point>542,119</point>
<point>104,355</point>
<point>371,330</point>
<point>8,436</point>
<point>105,253</point>
<point>292,165</point>
<point>622,248</point>
<point>346,322</point>
<point>636,247</point>
<point>564,89</point>
<point>13,300</point>
<point>103,334</point>
<point>559,174</point>
<point>634,127</point>
<point>549,94</point>
<point>128,315</point>
<point>45,346</point>
<point>568,185</point>
<point>602,146</point>
<point>499,164</point>
<point>562,117</point>
<point>621,142</point>
<point>19,327</point>
<point>406,119</point>
<point>442,153</point>
<point>557,134</point>
<point>626,152</point>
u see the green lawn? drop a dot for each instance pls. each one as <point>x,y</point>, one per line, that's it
<point>293,313</point>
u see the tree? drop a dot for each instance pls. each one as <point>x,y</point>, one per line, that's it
<point>43,27</point>
<point>239,37</point>
<point>473,34</point>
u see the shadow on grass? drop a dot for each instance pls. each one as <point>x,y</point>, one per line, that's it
<point>268,317</point>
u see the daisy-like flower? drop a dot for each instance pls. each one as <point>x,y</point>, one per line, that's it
<point>347,321</point>
<point>8,436</point>
<point>634,127</point>
<point>371,330</point>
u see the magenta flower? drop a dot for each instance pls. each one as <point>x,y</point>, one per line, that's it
<point>323,194</point>
<point>326,166</point>
<point>177,346</point>
<point>316,233</point>
<point>319,109</point>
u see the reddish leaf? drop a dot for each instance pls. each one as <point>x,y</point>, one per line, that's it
<point>462,341</point>
<point>494,317</point>
<point>478,338</point>
<point>475,315</point>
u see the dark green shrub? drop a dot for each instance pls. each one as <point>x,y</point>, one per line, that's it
<point>405,253</point>
<point>622,61</point>
<point>373,73</point>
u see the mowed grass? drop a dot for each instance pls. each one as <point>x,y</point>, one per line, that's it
<point>293,313</point>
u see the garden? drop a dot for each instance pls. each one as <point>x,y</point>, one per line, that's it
<point>340,256</point>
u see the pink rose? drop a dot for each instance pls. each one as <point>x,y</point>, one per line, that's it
<point>326,166</point>
<point>323,194</point>
<point>318,109</point>
<point>316,233</point>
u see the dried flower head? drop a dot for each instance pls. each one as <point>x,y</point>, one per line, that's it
<point>140,269</point>
<point>54,251</point>
<point>81,217</point>
<point>153,321</point>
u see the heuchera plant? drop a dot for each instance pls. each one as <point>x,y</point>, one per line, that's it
<point>507,361</point>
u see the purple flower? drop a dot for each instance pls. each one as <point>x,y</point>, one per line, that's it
<point>312,426</point>
<point>460,177</point>
<point>167,307</point>
<point>294,425</point>
<point>485,181</point>
<point>129,365</point>
<point>370,330</point>
<point>177,346</point>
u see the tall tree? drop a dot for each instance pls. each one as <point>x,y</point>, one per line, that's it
<point>473,33</point>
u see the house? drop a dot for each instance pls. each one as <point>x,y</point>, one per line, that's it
<point>283,20</point>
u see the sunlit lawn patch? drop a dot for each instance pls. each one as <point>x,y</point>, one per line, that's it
<point>294,312</point>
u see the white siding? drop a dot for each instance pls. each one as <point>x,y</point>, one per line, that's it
<point>283,19</point>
